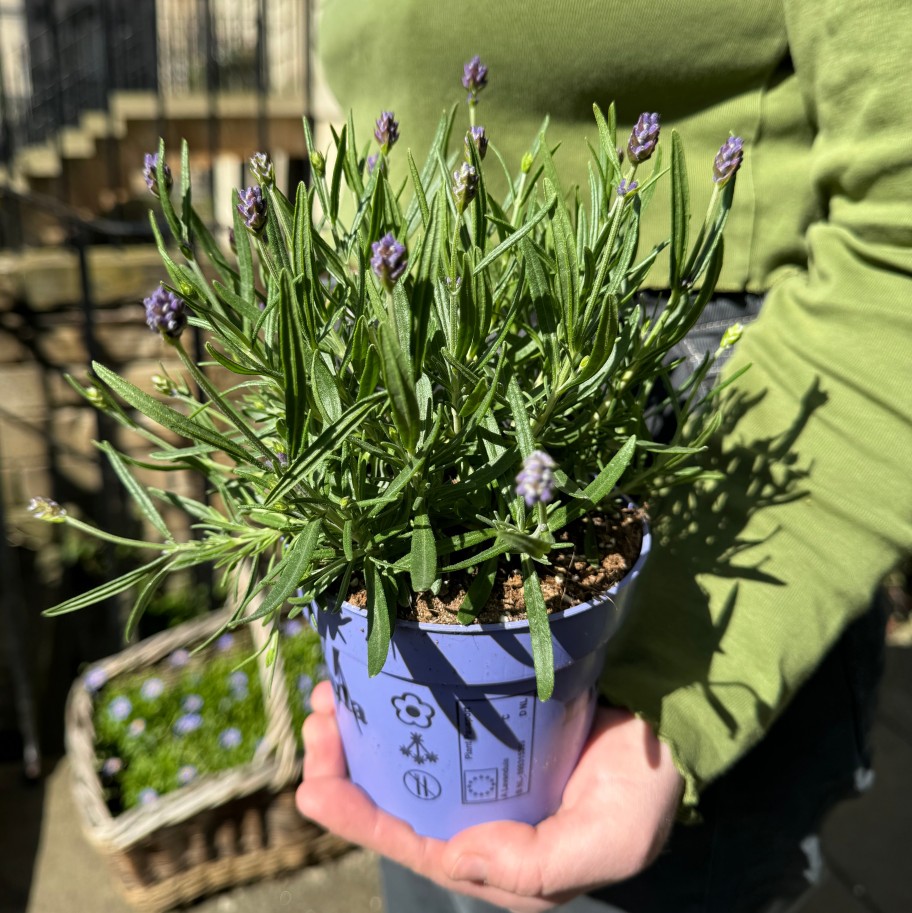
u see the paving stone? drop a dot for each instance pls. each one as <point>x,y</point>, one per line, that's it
<point>866,841</point>
<point>896,694</point>
<point>831,897</point>
<point>47,866</point>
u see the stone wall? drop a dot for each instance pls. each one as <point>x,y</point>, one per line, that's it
<point>46,428</point>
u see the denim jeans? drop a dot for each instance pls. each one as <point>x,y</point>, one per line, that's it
<point>756,850</point>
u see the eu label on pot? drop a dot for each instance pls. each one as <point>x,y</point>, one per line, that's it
<point>495,747</point>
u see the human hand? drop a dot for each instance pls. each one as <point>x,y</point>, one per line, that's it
<point>616,813</point>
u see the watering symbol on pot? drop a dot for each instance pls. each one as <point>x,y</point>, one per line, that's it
<point>413,711</point>
<point>417,750</point>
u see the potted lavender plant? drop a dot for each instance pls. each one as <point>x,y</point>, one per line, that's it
<point>439,398</point>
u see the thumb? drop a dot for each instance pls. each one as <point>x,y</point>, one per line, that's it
<point>503,854</point>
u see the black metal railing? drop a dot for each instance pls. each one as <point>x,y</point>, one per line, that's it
<point>79,51</point>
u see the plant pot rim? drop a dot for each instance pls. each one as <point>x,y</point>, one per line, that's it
<point>520,624</point>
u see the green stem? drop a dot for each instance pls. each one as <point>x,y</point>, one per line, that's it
<point>117,540</point>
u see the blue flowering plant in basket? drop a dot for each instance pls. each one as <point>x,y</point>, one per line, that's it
<point>168,726</point>
<point>418,395</point>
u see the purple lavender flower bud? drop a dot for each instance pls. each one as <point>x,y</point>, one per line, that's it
<point>186,774</point>
<point>624,188</point>
<point>375,160</point>
<point>226,641</point>
<point>47,509</point>
<point>137,727</point>
<point>152,688</point>
<point>147,796</point>
<point>465,185</point>
<point>187,723</point>
<point>120,708</point>
<point>165,313</point>
<point>95,679</point>
<point>728,160</point>
<point>150,173</point>
<point>179,658</point>
<point>193,703</point>
<point>386,131</point>
<point>389,260</point>
<point>262,168</point>
<point>643,138</point>
<point>477,136</point>
<point>111,767</point>
<point>230,738</point>
<point>474,78</point>
<point>252,209</point>
<point>535,482</point>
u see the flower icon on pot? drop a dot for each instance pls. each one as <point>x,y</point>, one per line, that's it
<point>413,711</point>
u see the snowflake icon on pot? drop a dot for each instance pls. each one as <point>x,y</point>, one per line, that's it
<point>413,711</point>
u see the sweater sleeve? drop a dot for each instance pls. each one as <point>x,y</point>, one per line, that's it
<point>754,577</point>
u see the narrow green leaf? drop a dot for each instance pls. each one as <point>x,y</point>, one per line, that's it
<point>288,574</point>
<point>479,592</point>
<point>325,443</point>
<point>604,482</point>
<point>137,491</point>
<point>325,390</point>
<point>539,630</point>
<point>397,377</point>
<point>420,196</point>
<point>423,568</point>
<point>170,418</point>
<point>338,168</point>
<point>295,359</point>
<point>108,589</point>
<point>186,204</point>
<point>247,288</point>
<point>520,418</point>
<point>236,367</point>
<point>517,235</point>
<point>680,210</point>
<point>149,589</point>
<point>381,615</point>
<point>164,197</point>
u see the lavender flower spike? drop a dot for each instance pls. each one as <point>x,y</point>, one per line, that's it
<point>728,160</point>
<point>643,138</point>
<point>262,168</point>
<point>47,509</point>
<point>625,188</point>
<point>252,209</point>
<point>165,313</point>
<point>474,78</point>
<point>535,482</point>
<point>150,173</point>
<point>477,136</point>
<point>465,185</point>
<point>386,131</point>
<point>389,260</point>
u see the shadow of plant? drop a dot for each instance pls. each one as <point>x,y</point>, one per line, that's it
<point>699,532</point>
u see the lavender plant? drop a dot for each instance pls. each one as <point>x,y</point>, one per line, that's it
<point>438,383</point>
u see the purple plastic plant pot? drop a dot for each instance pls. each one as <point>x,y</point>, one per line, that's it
<point>451,734</point>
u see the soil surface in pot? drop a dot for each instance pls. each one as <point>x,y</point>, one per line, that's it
<point>575,575</point>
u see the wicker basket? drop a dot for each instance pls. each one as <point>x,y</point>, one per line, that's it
<point>228,828</point>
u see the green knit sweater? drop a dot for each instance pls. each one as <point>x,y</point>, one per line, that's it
<point>755,577</point>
